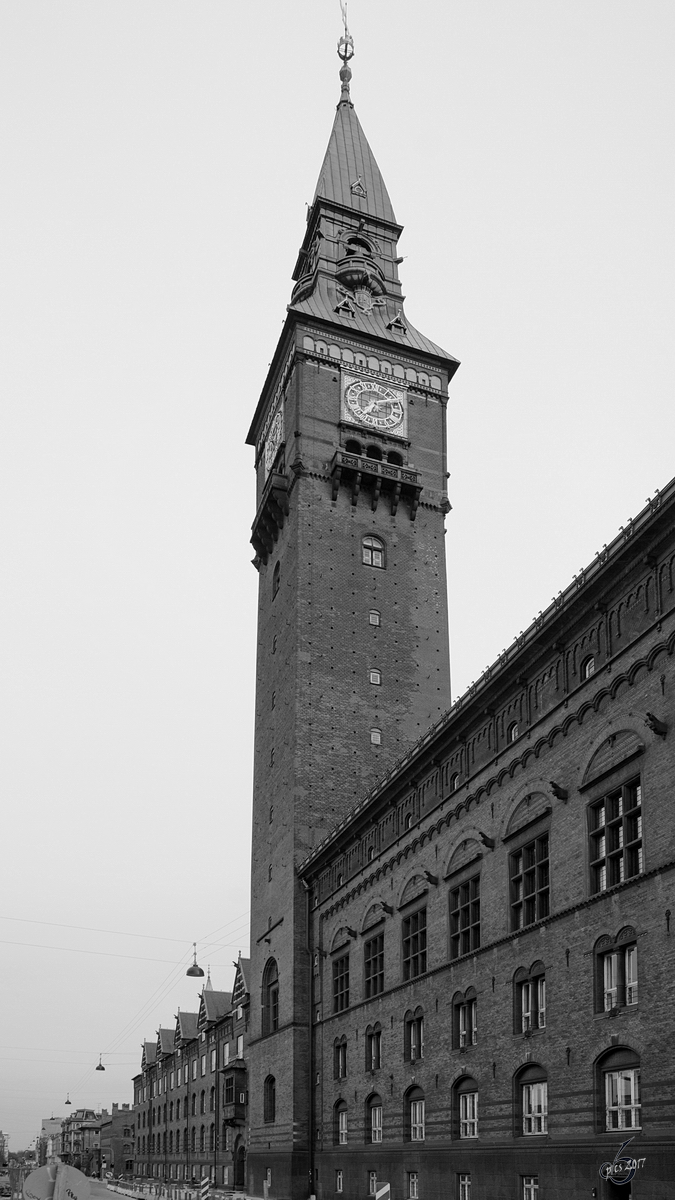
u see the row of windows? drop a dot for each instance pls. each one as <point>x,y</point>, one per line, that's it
<point>616,986</point>
<point>615,852</point>
<point>529,1185</point>
<point>199,1066</point>
<point>394,458</point>
<point>616,855</point>
<point>618,1087</point>
<point>155,1116</point>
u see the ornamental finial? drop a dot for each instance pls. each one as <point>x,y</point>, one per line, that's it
<point>345,50</point>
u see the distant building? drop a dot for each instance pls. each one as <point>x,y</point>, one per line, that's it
<point>80,1141</point>
<point>50,1130</point>
<point>117,1140</point>
<point>190,1095</point>
<point>4,1148</point>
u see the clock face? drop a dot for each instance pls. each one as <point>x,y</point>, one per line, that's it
<point>374,404</point>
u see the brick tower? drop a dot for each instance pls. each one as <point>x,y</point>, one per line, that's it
<point>353,650</point>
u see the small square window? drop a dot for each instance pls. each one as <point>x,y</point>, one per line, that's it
<point>376,737</point>
<point>375,677</point>
<point>374,617</point>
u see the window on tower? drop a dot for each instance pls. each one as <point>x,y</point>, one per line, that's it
<point>373,552</point>
<point>374,617</point>
<point>270,997</point>
<point>276,579</point>
<point>375,677</point>
<point>376,737</point>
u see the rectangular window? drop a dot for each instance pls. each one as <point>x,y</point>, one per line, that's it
<point>530,1187</point>
<point>376,1123</point>
<point>339,1181</point>
<point>194,1068</point>
<point>616,837</point>
<point>203,1064</point>
<point>229,1090</point>
<point>622,1099</point>
<point>226,1054</point>
<point>620,978</point>
<point>413,1185</point>
<point>342,1127</point>
<point>213,1059</point>
<point>415,944</point>
<point>468,1114</point>
<point>417,1120</point>
<point>373,961</point>
<point>465,918</point>
<point>465,1186</point>
<point>535,1108</point>
<point>529,872</point>
<point>372,1183</point>
<point>373,1050</point>
<point>240,1046</point>
<point>171,1080</point>
<point>341,983</point>
<point>374,617</point>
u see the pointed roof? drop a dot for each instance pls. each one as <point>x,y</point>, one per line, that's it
<point>164,1041</point>
<point>186,1027</point>
<point>149,1054</point>
<point>240,987</point>
<point>350,175</point>
<point>213,1005</point>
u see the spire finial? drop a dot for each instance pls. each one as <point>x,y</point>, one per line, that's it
<point>345,50</point>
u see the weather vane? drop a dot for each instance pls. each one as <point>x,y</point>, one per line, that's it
<point>346,42</point>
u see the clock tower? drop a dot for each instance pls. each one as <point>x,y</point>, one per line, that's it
<point>353,650</point>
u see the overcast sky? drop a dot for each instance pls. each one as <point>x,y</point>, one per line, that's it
<point>157,157</point>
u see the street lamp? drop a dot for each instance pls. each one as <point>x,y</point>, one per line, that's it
<point>195,971</point>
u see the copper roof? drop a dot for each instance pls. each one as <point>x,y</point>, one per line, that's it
<point>349,174</point>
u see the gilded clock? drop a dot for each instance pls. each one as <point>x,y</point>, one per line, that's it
<point>374,404</point>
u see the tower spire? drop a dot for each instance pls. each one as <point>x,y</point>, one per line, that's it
<point>345,50</point>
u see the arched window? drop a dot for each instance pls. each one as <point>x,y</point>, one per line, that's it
<point>512,732</point>
<point>618,1088</point>
<point>530,999</point>
<point>178,1110</point>
<point>413,1046</point>
<point>465,1019</point>
<point>616,971</point>
<point>194,1104</point>
<point>531,1099</point>
<point>353,447</point>
<point>413,1115</point>
<point>212,1100</point>
<point>340,1123</point>
<point>374,452</point>
<point>587,667</point>
<point>374,1047</point>
<point>170,1141</point>
<point>395,458</point>
<point>340,1058</point>
<point>372,550</point>
<point>212,1137</point>
<point>270,997</point>
<point>202,1101</point>
<point>193,1139</point>
<point>171,1111</point>
<point>202,1138</point>
<point>454,781</point>
<point>178,1141</point>
<point>374,1118</point>
<point>270,1100</point>
<point>276,579</point>
<point>465,1108</point>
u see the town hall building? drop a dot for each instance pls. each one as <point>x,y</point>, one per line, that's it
<point>461,974</point>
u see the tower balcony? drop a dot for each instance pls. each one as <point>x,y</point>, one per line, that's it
<point>355,471</point>
<point>271,514</point>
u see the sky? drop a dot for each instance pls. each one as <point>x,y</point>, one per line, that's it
<point>157,160</point>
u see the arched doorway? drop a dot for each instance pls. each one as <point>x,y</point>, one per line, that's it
<point>240,1166</point>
